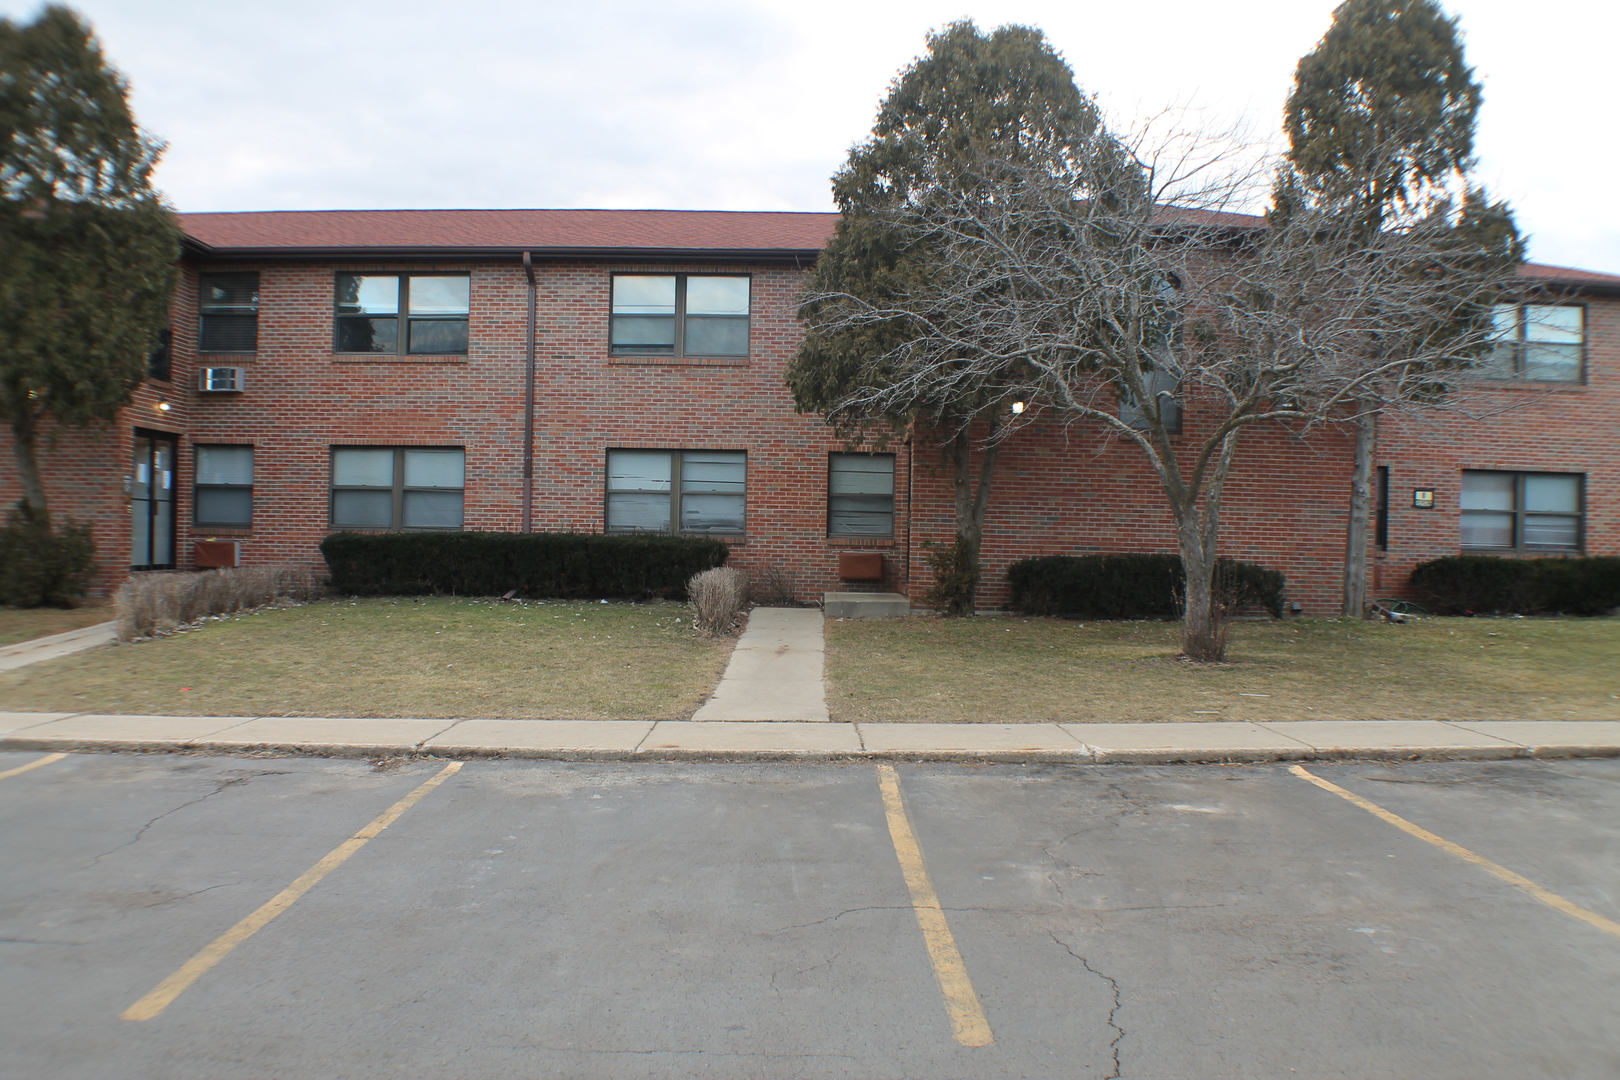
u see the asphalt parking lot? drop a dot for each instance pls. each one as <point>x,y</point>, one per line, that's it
<point>221,917</point>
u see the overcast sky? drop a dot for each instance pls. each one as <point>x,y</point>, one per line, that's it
<point>751,104</point>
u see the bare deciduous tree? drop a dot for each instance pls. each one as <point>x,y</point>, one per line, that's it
<point>1117,305</point>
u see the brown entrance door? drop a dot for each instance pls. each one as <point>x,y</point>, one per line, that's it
<point>152,502</point>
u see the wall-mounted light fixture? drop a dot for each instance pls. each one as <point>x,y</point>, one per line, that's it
<point>163,406</point>
<point>1018,407</point>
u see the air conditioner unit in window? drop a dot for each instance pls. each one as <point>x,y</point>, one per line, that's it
<point>222,380</point>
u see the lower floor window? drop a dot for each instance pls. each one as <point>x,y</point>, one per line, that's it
<point>1521,511</point>
<point>224,494</point>
<point>676,490</point>
<point>860,495</point>
<point>397,487</point>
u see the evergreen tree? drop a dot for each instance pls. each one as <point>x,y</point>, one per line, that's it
<point>87,247</point>
<point>973,99</point>
<point>1381,134</point>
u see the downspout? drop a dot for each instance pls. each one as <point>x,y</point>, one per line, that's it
<point>528,402</point>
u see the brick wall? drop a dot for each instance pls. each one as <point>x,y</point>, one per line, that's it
<point>1059,489</point>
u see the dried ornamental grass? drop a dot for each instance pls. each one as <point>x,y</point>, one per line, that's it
<point>717,598</point>
<point>156,604</point>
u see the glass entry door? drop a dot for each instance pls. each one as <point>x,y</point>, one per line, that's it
<point>152,502</point>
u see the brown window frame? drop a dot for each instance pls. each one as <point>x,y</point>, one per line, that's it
<point>677,494</point>
<point>1519,513</point>
<point>398,489</point>
<point>893,464</point>
<point>206,310</point>
<point>1521,342</point>
<point>679,351</point>
<point>401,316</point>
<point>198,487</point>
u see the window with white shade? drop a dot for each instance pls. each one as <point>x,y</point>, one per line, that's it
<point>860,495</point>
<point>397,487</point>
<point>1529,512</point>
<point>223,494</point>
<point>695,491</point>
<point>1542,342</point>
<point>680,315</point>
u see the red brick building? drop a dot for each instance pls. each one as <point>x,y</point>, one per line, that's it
<point>368,369</point>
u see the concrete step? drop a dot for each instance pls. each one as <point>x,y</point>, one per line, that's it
<point>864,605</point>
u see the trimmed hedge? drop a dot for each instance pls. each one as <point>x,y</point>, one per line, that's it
<point>1473,584</point>
<point>1131,586</point>
<point>566,565</point>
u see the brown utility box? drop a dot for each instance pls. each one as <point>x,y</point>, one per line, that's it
<point>217,554</point>
<point>860,566</point>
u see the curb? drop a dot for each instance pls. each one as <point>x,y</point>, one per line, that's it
<point>1083,755</point>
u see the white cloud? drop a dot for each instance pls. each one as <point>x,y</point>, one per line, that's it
<point>735,105</point>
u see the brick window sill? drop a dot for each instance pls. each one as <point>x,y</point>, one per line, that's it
<point>219,532</point>
<point>394,358</point>
<point>229,359</point>
<point>678,361</point>
<point>857,542</point>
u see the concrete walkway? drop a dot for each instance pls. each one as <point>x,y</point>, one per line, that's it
<point>775,671</point>
<point>610,740</point>
<point>24,653</point>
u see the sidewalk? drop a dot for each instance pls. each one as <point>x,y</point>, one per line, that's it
<point>24,653</point>
<point>676,740</point>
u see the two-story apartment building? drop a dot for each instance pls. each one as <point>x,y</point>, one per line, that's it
<point>590,370</point>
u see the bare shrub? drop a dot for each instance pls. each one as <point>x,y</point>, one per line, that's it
<point>773,587</point>
<point>717,598</point>
<point>157,604</point>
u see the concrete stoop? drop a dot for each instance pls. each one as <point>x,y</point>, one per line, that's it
<point>864,605</point>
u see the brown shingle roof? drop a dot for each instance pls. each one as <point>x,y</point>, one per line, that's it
<point>542,231</point>
<point>601,232</point>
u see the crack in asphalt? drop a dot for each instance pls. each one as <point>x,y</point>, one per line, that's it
<point>31,941</point>
<point>194,892</point>
<point>1113,984</point>
<point>219,787</point>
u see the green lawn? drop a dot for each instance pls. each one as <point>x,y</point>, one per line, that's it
<point>23,624</point>
<point>434,657</point>
<point>1015,669</point>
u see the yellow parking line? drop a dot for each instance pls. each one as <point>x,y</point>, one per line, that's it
<point>968,1024</point>
<point>1551,899</point>
<point>46,760</point>
<point>162,995</point>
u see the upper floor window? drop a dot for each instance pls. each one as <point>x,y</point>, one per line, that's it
<point>1531,512</point>
<point>676,491</point>
<point>224,491</point>
<point>397,487</point>
<point>413,314</point>
<point>1538,341</point>
<point>680,314</point>
<point>1163,386</point>
<point>228,309</point>
<point>860,495</point>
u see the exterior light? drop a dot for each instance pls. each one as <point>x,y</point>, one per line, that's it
<point>164,406</point>
<point>1018,407</point>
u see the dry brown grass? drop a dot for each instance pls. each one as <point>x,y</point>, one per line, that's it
<point>150,605</point>
<point>1026,670</point>
<point>432,657</point>
<point>718,597</point>
<point>25,624</point>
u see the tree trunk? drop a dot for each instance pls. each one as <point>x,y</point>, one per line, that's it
<point>1355,551</point>
<point>1201,637</point>
<point>23,440</point>
<point>972,501</point>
